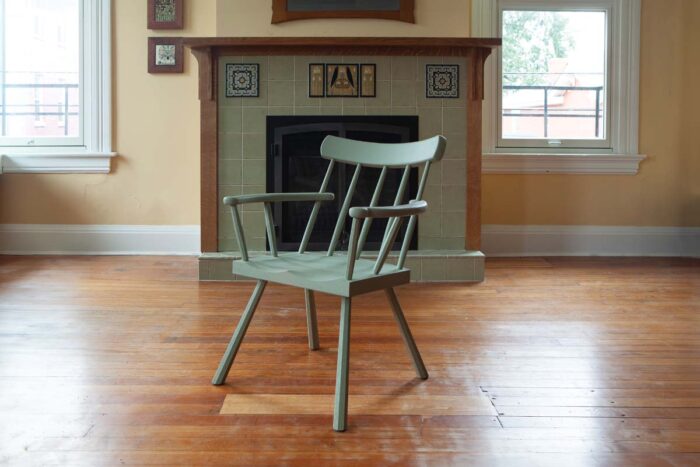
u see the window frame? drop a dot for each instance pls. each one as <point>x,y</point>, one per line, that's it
<point>620,155</point>
<point>91,152</point>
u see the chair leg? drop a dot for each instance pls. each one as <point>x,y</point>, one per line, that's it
<point>340,411</point>
<point>238,334</point>
<point>406,334</point>
<point>311,321</point>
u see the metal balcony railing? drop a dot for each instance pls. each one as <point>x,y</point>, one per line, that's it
<point>563,113</point>
<point>63,109</point>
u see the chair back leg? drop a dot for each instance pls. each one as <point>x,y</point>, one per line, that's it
<point>340,410</point>
<point>311,321</point>
<point>238,334</point>
<point>406,334</point>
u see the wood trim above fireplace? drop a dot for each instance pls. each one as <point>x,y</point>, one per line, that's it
<point>207,50</point>
<point>405,13</point>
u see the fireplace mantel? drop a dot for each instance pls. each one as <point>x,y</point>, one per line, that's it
<point>207,50</point>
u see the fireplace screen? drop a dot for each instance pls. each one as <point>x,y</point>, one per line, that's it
<point>294,164</point>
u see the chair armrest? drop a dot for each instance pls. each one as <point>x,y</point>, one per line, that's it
<point>383,212</point>
<point>275,197</point>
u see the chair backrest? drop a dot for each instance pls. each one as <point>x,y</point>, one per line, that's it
<point>383,155</point>
<point>377,155</point>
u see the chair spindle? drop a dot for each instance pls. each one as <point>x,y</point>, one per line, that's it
<point>238,229</point>
<point>344,211</point>
<point>368,222</point>
<point>412,222</point>
<point>314,212</point>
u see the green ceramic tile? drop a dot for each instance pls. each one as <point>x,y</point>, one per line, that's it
<point>345,101</point>
<point>280,93</point>
<point>454,172</point>
<point>404,111</point>
<point>435,175</point>
<point>307,110</point>
<point>353,111</point>
<point>252,190</point>
<point>253,224</point>
<point>230,119</point>
<point>429,243</point>
<point>452,243</point>
<point>254,119</point>
<point>286,110</point>
<point>403,68</point>
<point>281,68</point>
<point>453,224</point>
<point>230,146</point>
<point>378,110</point>
<point>454,120</point>
<point>430,122</point>
<point>461,101</point>
<point>456,146</point>
<point>253,172</point>
<point>383,98</point>
<point>454,198</point>
<point>433,269</point>
<point>257,243</point>
<point>429,224</point>
<point>334,110</point>
<point>254,146</point>
<point>221,270</point>
<point>433,195</point>
<point>229,172</point>
<point>301,96</point>
<point>403,93</point>
<point>459,269</point>
<point>203,270</point>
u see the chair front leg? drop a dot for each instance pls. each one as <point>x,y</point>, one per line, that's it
<point>238,335</point>
<point>340,410</point>
<point>406,334</point>
<point>311,321</point>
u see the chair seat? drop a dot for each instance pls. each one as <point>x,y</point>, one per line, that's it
<point>316,271</point>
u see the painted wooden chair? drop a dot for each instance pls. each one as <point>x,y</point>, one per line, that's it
<point>342,275</point>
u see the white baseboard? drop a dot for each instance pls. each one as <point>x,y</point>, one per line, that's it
<point>498,240</point>
<point>589,240</point>
<point>50,239</point>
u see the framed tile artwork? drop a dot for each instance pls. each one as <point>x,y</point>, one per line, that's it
<point>165,14</point>
<point>242,80</point>
<point>442,81</point>
<point>342,80</point>
<point>317,78</point>
<point>165,55</point>
<point>368,80</point>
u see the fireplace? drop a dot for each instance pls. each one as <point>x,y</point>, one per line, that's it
<point>294,164</point>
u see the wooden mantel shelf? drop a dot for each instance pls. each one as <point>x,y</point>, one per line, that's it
<point>208,49</point>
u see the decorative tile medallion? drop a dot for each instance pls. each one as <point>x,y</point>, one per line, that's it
<point>368,73</point>
<point>165,14</point>
<point>165,54</point>
<point>342,80</point>
<point>165,11</point>
<point>442,81</point>
<point>242,80</point>
<point>317,78</point>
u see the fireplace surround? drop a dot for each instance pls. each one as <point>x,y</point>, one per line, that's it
<point>234,148</point>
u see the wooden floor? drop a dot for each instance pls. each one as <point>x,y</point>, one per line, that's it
<point>553,362</point>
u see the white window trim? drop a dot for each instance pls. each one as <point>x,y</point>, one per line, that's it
<point>94,156</point>
<point>623,158</point>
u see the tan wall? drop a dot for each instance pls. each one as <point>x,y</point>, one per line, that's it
<point>666,192</point>
<point>155,179</point>
<point>156,120</point>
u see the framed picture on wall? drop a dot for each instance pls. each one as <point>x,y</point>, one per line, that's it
<point>165,55</point>
<point>166,14</point>
<point>290,10</point>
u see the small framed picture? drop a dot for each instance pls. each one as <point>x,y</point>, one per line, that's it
<point>317,79</point>
<point>165,55</point>
<point>166,14</point>
<point>342,80</point>
<point>368,80</point>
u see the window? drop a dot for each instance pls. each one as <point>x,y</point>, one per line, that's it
<point>54,85</point>
<point>563,89</point>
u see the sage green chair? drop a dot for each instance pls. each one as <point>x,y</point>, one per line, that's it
<point>329,272</point>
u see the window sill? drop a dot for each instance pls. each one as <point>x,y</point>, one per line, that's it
<point>521,163</point>
<point>72,162</point>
